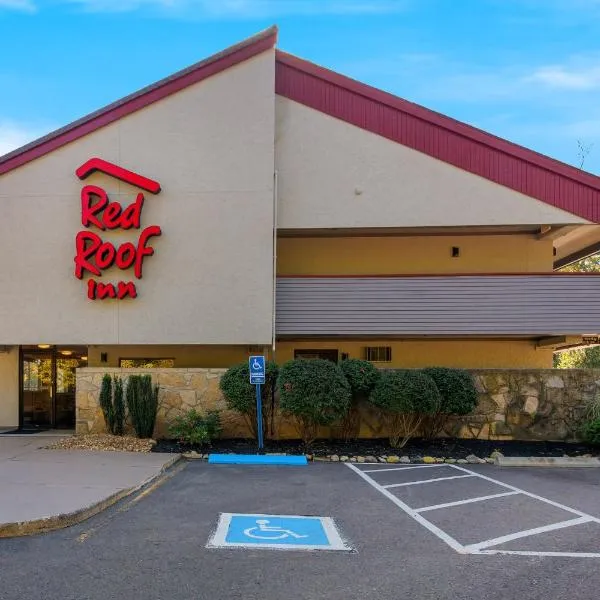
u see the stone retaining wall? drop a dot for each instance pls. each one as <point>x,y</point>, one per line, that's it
<point>513,404</point>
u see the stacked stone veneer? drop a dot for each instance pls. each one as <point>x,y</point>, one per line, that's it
<point>513,404</point>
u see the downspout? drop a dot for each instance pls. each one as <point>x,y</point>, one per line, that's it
<point>274,299</point>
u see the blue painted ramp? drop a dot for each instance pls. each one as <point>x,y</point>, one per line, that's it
<point>256,459</point>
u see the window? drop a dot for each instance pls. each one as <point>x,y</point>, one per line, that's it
<point>147,363</point>
<point>378,353</point>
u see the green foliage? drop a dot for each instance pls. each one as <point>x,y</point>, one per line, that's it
<point>315,392</point>
<point>362,376</point>
<point>142,402</point>
<point>118,407</point>
<point>405,398</point>
<point>591,432</point>
<point>195,429</point>
<point>458,396</point>
<point>106,403</point>
<point>581,358</point>
<point>241,396</point>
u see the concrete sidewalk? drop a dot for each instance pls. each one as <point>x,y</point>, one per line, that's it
<point>40,484</point>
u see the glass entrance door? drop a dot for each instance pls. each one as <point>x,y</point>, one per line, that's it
<point>48,386</point>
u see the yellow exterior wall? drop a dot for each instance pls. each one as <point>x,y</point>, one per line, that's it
<point>209,357</point>
<point>418,254</point>
<point>468,354</point>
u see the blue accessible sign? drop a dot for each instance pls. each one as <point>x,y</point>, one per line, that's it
<point>256,365</point>
<point>282,532</point>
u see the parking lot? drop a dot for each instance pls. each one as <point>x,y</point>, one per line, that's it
<point>433,532</point>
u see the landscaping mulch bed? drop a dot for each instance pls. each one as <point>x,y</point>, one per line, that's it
<point>415,449</point>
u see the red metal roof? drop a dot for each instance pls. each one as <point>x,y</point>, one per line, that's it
<point>140,99</point>
<point>441,137</point>
<point>414,126</point>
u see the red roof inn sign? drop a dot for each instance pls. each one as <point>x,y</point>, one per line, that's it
<point>93,254</point>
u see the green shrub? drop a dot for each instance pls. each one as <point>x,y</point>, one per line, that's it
<point>195,429</point>
<point>591,432</point>
<point>241,396</point>
<point>106,403</point>
<point>458,396</point>
<point>405,398</point>
<point>362,377</point>
<point>142,402</point>
<point>315,392</point>
<point>118,407</point>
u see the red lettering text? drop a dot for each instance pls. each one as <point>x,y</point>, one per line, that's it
<point>100,291</point>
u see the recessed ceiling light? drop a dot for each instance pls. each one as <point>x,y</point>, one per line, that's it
<point>66,352</point>
<point>43,346</point>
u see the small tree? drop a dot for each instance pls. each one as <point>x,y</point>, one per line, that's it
<point>362,377</point>
<point>405,398</point>
<point>119,407</point>
<point>241,396</point>
<point>106,403</point>
<point>315,392</point>
<point>142,402</point>
<point>458,396</point>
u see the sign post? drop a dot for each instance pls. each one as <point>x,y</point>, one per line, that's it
<point>256,366</point>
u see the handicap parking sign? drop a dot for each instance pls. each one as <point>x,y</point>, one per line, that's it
<point>283,532</point>
<point>256,365</point>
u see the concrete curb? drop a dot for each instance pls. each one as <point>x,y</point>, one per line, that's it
<point>546,461</point>
<point>23,528</point>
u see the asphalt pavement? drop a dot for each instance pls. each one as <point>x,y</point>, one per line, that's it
<point>155,546</point>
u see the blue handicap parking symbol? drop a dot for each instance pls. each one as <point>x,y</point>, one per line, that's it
<point>277,531</point>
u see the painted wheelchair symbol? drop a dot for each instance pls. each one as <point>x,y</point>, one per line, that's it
<point>264,531</point>
<point>256,365</point>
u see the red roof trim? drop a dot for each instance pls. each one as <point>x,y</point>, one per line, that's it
<point>444,138</point>
<point>97,164</point>
<point>138,100</point>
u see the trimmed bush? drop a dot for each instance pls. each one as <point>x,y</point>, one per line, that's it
<point>195,429</point>
<point>106,403</point>
<point>241,396</point>
<point>405,398</point>
<point>362,377</point>
<point>591,432</point>
<point>119,407</point>
<point>315,392</point>
<point>142,402</point>
<point>458,396</point>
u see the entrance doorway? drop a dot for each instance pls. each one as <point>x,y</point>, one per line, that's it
<point>48,385</point>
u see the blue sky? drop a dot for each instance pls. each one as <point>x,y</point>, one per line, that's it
<point>526,70</point>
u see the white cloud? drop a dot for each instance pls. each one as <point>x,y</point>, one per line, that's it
<point>246,9</point>
<point>568,78</point>
<point>23,5</point>
<point>14,135</point>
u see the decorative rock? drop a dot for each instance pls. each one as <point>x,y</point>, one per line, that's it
<point>371,459</point>
<point>428,460</point>
<point>490,461</point>
<point>496,454</point>
<point>382,459</point>
<point>353,459</point>
<point>393,459</point>
<point>360,459</point>
<point>343,459</point>
<point>405,459</point>
<point>473,460</point>
<point>309,456</point>
<point>440,460</point>
<point>462,461</point>
<point>450,461</point>
<point>334,458</point>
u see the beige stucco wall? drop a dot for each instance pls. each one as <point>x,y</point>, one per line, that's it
<point>332,174</point>
<point>210,279</point>
<point>9,388</point>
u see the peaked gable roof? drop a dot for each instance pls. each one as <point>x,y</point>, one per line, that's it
<point>156,91</point>
<point>468,148</point>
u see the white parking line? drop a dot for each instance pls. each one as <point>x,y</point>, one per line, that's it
<point>483,547</point>
<point>403,468</point>
<point>394,485</point>
<point>467,501</point>
<point>526,533</point>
